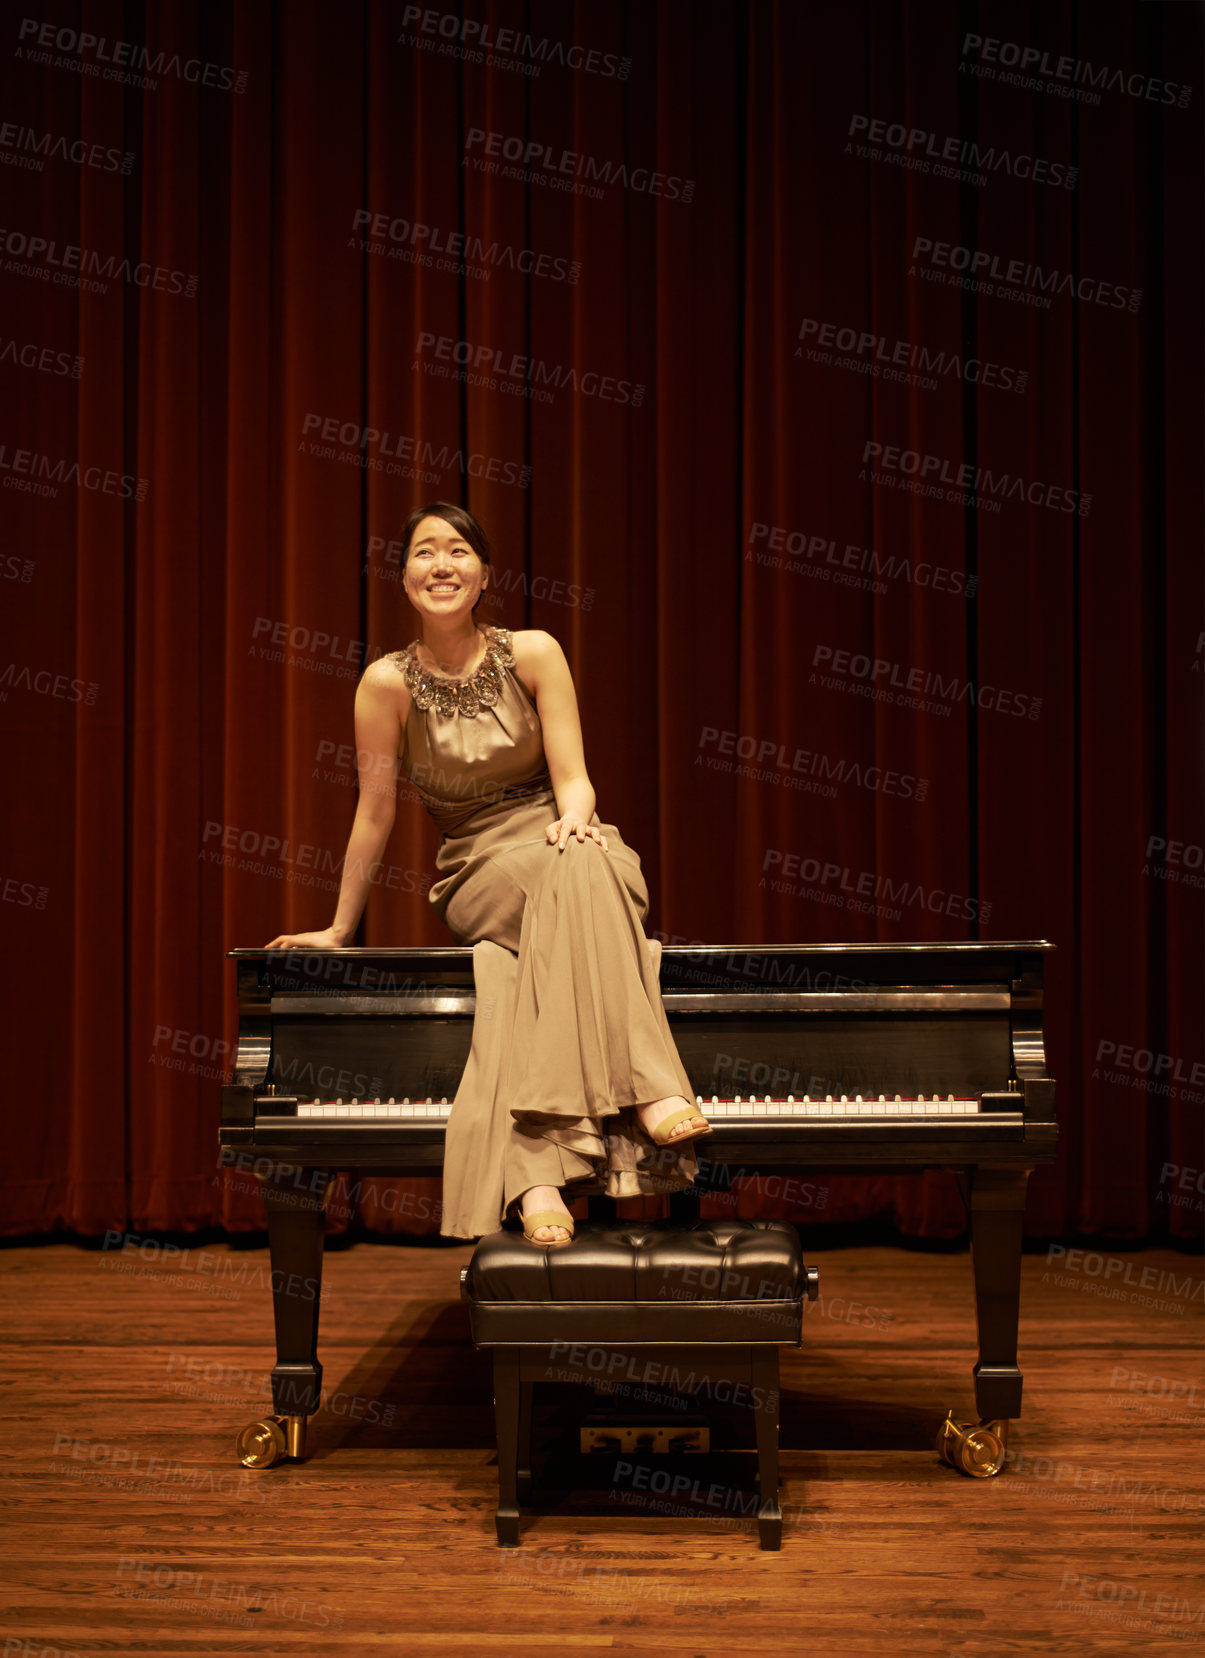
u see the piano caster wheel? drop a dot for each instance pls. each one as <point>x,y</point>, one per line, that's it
<point>975,1448</point>
<point>263,1444</point>
<point>260,1444</point>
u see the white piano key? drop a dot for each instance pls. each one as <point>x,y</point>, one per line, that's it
<point>392,1110</point>
<point>760,1108</point>
<point>342,1110</point>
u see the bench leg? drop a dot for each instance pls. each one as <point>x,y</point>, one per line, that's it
<point>523,1475</point>
<point>765,1409</point>
<point>507,1414</point>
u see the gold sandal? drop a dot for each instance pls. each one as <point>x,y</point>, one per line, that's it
<point>548,1217</point>
<point>662,1135</point>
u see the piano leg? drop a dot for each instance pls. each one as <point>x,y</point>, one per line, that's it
<point>296,1204</point>
<point>996,1199</point>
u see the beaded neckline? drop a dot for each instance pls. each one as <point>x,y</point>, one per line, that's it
<point>459,696</point>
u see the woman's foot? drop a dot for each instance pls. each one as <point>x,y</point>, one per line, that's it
<point>655,1113</point>
<point>542,1200</point>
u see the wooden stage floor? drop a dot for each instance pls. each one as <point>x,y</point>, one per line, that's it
<point>131,1528</point>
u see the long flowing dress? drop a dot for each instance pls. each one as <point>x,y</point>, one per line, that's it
<point>569,1028</point>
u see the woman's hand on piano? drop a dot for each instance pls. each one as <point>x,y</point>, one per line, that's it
<point>327,939</point>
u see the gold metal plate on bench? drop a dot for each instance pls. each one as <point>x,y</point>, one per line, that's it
<point>642,1436</point>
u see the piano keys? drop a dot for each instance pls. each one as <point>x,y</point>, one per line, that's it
<point>319,1110</point>
<point>866,1058</point>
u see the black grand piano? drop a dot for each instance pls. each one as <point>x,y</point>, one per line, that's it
<point>855,1058</point>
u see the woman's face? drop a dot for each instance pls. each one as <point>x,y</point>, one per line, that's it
<point>443,575</point>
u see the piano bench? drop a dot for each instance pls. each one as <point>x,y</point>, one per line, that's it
<point>718,1299</point>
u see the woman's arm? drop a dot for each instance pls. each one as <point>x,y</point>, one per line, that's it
<point>541,664</point>
<point>381,705</point>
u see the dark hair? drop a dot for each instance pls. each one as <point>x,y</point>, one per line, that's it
<point>461,520</point>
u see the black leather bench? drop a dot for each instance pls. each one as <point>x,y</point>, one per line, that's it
<point>719,1297</point>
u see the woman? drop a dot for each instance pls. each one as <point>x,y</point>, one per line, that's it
<point>573,1077</point>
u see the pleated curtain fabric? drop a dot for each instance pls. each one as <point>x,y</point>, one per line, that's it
<point>719,398</point>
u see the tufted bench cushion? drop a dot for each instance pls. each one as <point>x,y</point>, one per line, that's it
<point>641,1283</point>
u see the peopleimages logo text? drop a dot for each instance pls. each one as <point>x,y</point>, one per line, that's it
<point>428,242</point>
<point>531,155</point>
<point>496,367</point>
<point>483,40</point>
<point>50,257</point>
<point>118,55</point>
<point>883,350</point>
<point>979,481</point>
<point>897,681</point>
<point>966,152</point>
<point>1019,273</point>
<point>1067,71</point>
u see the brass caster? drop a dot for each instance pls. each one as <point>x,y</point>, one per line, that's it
<point>975,1448</point>
<point>260,1444</point>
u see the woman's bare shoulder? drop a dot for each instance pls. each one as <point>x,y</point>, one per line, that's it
<point>387,677</point>
<point>533,645</point>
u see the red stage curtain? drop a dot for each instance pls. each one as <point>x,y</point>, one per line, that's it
<point>270,299</point>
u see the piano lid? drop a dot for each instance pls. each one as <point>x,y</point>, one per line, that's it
<point>440,951</point>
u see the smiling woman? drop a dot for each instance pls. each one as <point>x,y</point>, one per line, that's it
<point>573,1080</point>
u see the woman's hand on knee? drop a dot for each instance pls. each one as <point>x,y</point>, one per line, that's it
<point>559,833</point>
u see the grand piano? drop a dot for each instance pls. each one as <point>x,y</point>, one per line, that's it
<point>854,1058</point>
